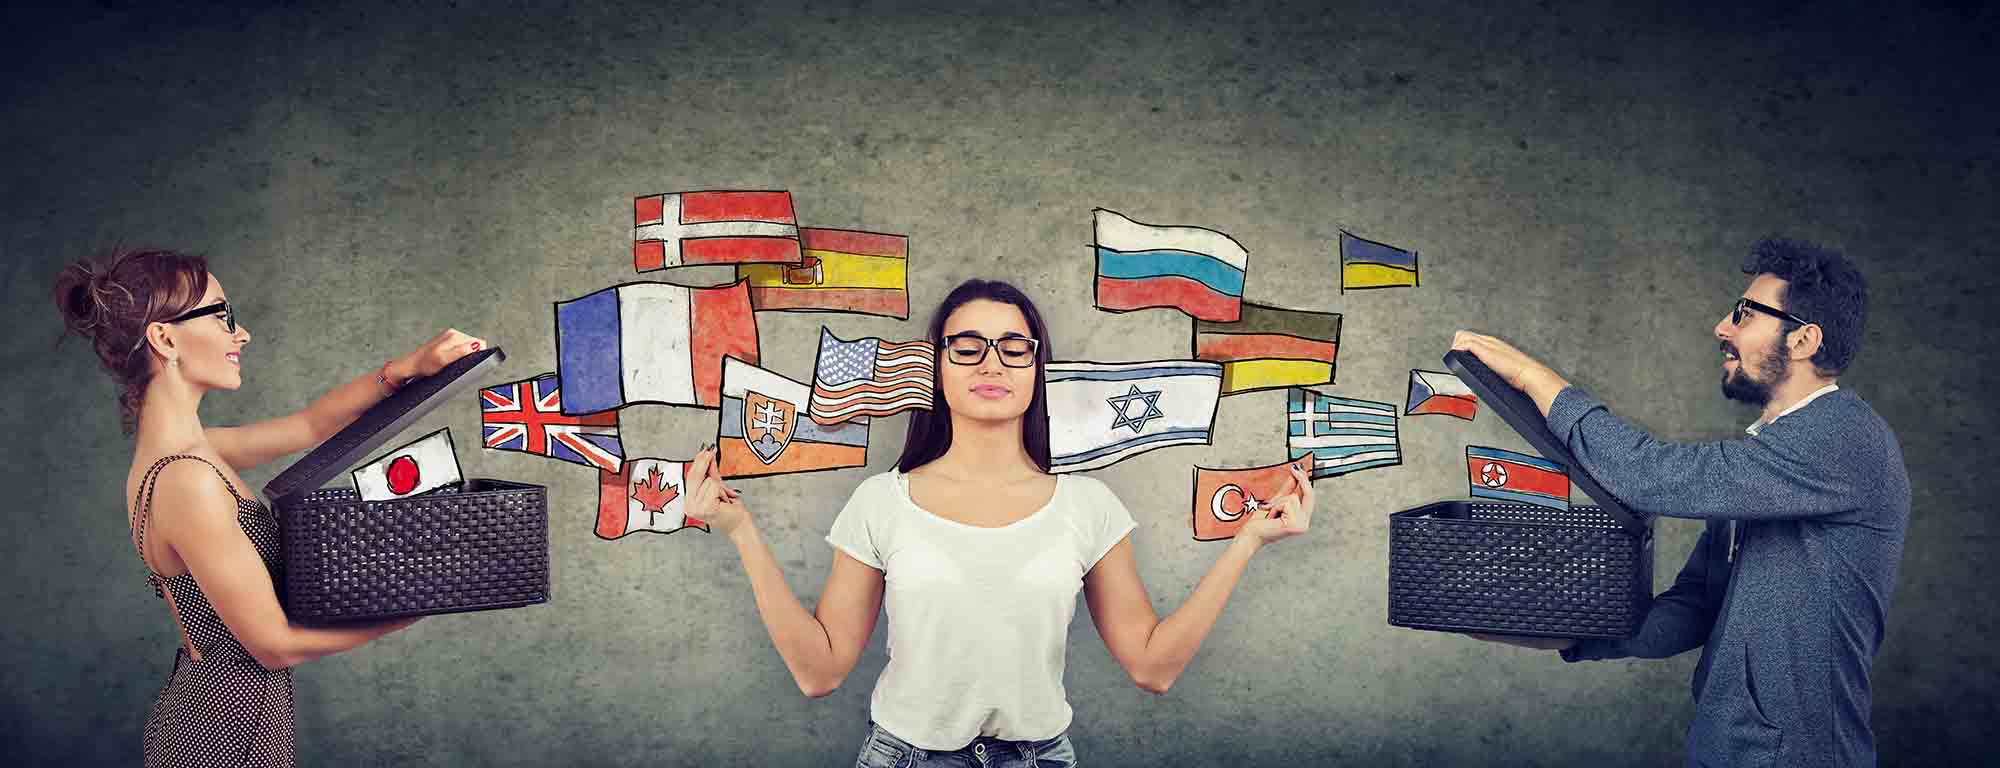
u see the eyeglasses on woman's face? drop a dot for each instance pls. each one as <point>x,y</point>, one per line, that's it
<point>228,314</point>
<point>970,349</point>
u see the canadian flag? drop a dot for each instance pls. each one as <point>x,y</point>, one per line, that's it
<point>644,495</point>
<point>425,465</point>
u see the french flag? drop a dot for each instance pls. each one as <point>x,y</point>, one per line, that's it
<point>651,343</point>
<point>1195,270</point>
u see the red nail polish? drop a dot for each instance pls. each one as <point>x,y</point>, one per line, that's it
<point>475,346</point>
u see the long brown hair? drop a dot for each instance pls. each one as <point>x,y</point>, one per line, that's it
<point>112,301</point>
<point>929,433</point>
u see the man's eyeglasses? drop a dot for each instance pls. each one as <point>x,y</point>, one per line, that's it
<point>221,307</point>
<point>970,349</point>
<point>1736,315</point>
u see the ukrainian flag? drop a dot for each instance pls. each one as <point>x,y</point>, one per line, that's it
<point>1365,263</point>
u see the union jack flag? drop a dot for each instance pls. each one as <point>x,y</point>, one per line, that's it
<point>527,416</point>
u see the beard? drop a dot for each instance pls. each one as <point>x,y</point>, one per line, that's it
<point>1771,372</point>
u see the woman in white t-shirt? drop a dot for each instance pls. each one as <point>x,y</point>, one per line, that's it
<point>980,552</point>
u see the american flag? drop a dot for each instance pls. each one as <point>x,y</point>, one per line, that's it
<point>870,377</point>
<point>527,416</point>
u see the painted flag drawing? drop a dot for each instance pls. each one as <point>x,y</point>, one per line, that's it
<point>1195,270</point>
<point>1225,499</point>
<point>870,377</point>
<point>1437,392</point>
<point>1365,263</point>
<point>647,495</point>
<point>527,416</point>
<point>1509,476</point>
<point>721,227</point>
<point>651,343</point>
<point>426,464</point>
<point>1102,413</point>
<point>764,429</point>
<point>1343,434</point>
<point>865,273</point>
<point>1270,348</point>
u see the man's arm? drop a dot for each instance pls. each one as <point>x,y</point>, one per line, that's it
<point>1678,620</point>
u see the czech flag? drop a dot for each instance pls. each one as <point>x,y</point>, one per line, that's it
<point>1509,476</point>
<point>1197,271</point>
<point>1437,392</point>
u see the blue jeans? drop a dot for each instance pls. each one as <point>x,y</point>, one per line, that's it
<point>883,750</point>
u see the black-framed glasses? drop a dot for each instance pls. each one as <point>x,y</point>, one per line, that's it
<point>970,349</point>
<point>1742,304</point>
<point>221,307</point>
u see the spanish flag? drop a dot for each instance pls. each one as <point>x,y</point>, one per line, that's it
<point>843,270</point>
<point>1270,348</point>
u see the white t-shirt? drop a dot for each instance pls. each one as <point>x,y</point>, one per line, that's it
<point>978,617</point>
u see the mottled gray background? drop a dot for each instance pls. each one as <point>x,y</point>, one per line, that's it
<point>1582,181</point>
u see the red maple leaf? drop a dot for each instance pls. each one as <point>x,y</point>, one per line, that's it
<point>653,494</point>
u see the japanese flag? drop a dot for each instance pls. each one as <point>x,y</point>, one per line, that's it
<point>425,465</point>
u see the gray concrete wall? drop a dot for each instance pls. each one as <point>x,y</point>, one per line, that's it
<point>1581,181</point>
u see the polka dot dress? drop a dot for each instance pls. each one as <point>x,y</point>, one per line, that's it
<point>226,709</point>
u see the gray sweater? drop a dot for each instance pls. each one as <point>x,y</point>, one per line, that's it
<point>1789,628</point>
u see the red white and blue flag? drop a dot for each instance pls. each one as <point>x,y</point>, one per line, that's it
<point>1196,270</point>
<point>1509,476</point>
<point>527,416</point>
<point>719,227</point>
<point>870,377</point>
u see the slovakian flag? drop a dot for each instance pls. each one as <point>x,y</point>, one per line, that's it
<point>1270,348</point>
<point>764,429</point>
<point>1365,263</point>
<point>1437,392</point>
<point>427,464</point>
<point>843,270</point>
<point>1195,270</point>
<point>651,343</point>
<point>721,227</point>
<point>527,416</point>
<point>1225,499</point>
<point>1509,476</point>
<point>1103,413</point>
<point>647,495</point>
<point>870,377</point>
<point>1342,434</point>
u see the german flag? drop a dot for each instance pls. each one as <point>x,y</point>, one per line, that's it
<point>1270,348</point>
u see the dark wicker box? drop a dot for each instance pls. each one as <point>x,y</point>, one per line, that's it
<point>479,546</point>
<point>1517,569</point>
<point>1520,569</point>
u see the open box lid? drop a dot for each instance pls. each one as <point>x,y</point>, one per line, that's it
<point>1520,412</point>
<point>379,424</point>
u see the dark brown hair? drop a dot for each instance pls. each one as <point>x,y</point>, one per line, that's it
<point>111,302</point>
<point>929,433</point>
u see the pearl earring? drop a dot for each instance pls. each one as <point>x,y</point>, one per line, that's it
<point>174,361</point>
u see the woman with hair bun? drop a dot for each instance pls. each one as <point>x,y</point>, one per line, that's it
<point>166,333</point>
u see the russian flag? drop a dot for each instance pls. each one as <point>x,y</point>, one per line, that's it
<point>1195,270</point>
<point>1509,476</point>
<point>637,343</point>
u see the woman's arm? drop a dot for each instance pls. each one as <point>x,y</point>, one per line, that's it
<point>1155,651</point>
<point>196,514</point>
<point>819,648</point>
<point>250,445</point>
